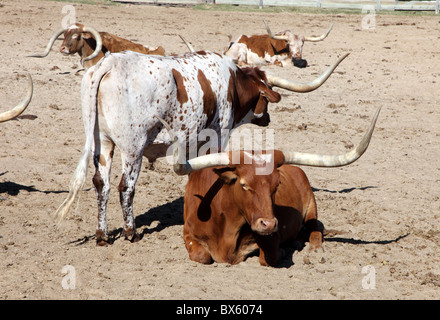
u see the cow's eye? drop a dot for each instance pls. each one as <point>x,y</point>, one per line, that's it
<point>244,186</point>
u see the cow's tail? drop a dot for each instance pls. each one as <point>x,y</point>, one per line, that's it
<point>89,92</point>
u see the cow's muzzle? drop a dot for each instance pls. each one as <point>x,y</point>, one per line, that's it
<point>300,63</point>
<point>263,121</point>
<point>265,226</point>
<point>64,50</point>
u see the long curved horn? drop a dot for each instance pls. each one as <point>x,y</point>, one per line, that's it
<point>320,160</point>
<point>292,157</point>
<point>190,47</point>
<point>225,34</point>
<point>187,166</point>
<point>276,37</point>
<point>304,86</point>
<point>98,39</point>
<point>17,110</point>
<point>321,37</point>
<point>49,45</point>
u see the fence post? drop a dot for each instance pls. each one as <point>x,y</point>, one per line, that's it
<point>377,5</point>
<point>260,4</point>
<point>437,7</point>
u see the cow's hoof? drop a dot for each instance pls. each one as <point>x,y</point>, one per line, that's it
<point>136,237</point>
<point>102,240</point>
<point>102,243</point>
<point>131,236</point>
<point>315,240</point>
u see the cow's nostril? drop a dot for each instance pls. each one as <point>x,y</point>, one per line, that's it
<point>63,49</point>
<point>266,226</point>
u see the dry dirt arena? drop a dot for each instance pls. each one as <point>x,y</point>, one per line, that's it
<point>386,205</point>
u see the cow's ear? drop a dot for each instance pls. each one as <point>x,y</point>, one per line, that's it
<point>226,174</point>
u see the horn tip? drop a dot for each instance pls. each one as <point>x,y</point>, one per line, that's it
<point>377,112</point>
<point>345,55</point>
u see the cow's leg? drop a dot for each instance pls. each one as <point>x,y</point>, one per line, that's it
<point>270,251</point>
<point>102,160</point>
<point>311,224</point>
<point>197,252</point>
<point>131,166</point>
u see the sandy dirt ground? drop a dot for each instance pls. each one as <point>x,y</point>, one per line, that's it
<point>386,204</point>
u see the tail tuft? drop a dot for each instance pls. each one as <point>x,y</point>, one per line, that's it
<point>76,184</point>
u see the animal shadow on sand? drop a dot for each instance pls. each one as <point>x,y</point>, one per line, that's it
<point>13,189</point>
<point>167,215</point>
<point>329,235</point>
<point>347,190</point>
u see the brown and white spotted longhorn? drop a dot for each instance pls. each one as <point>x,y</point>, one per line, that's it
<point>280,49</point>
<point>91,45</point>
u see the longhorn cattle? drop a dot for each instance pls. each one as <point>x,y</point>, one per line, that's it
<point>18,109</point>
<point>91,45</point>
<point>279,49</point>
<point>232,210</point>
<point>124,93</point>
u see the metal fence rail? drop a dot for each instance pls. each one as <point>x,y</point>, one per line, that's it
<point>396,5</point>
